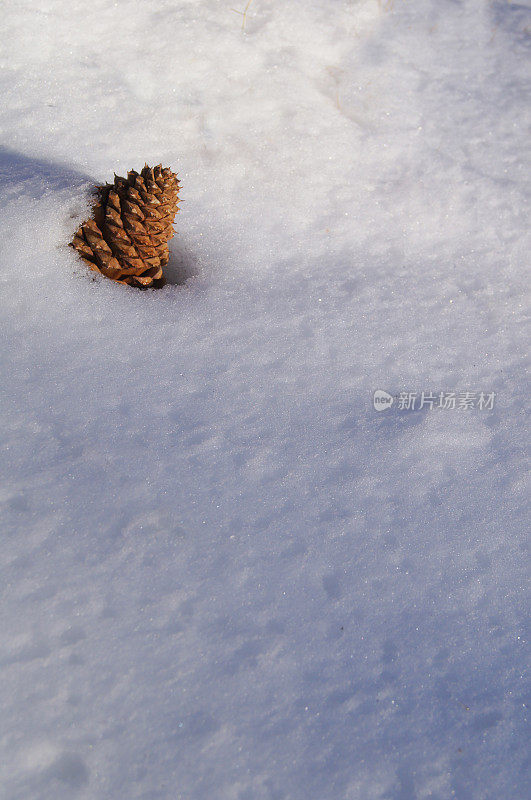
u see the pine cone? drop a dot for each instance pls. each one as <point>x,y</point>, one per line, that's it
<point>127,240</point>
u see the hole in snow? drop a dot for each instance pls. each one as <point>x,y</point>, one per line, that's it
<point>183,264</point>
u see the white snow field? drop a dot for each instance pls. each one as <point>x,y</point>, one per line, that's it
<point>225,575</point>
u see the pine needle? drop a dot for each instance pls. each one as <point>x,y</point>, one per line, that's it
<point>243,13</point>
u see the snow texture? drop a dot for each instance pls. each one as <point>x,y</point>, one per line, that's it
<point>224,575</point>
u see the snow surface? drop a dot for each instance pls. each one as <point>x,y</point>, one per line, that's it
<point>225,576</point>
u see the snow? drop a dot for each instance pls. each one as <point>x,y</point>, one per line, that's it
<point>224,574</point>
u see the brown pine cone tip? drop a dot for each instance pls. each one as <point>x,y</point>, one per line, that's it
<point>127,239</point>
